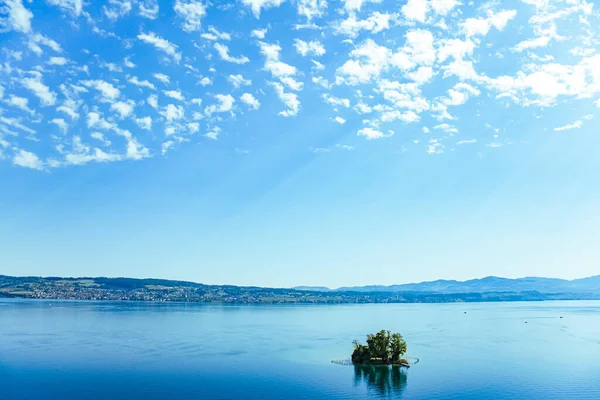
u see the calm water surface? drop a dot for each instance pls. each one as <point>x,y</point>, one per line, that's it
<point>95,350</point>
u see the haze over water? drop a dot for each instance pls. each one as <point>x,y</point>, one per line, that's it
<point>99,350</point>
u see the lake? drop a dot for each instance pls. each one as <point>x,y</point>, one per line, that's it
<point>100,350</point>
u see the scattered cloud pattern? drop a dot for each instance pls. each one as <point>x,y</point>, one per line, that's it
<point>374,67</point>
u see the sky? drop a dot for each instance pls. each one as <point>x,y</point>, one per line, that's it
<point>305,142</point>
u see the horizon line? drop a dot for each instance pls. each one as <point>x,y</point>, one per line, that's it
<point>292,287</point>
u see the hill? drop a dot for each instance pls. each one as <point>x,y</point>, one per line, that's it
<point>491,284</point>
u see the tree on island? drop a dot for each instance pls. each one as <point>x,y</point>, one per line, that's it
<point>382,348</point>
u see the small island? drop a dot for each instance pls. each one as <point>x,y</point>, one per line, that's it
<point>382,348</point>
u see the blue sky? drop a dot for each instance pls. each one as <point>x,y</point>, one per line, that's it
<point>281,143</point>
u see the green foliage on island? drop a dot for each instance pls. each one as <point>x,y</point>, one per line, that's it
<point>382,348</point>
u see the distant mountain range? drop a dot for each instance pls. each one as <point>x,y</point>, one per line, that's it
<point>483,285</point>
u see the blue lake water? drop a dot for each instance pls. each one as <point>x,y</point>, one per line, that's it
<point>95,350</point>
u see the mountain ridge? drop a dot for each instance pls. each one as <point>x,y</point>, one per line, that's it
<point>478,285</point>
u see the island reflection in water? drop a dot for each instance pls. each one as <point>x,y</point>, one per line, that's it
<point>385,380</point>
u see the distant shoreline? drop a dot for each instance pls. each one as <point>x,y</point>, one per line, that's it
<point>158,290</point>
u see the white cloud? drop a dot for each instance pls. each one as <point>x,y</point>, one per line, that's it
<point>174,94</point>
<point>144,123</point>
<point>420,46</point>
<point>257,5</point>
<point>415,10</point>
<point>336,101</point>
<point>356,5</point>
<point>481,26</point>
<point>100,137</point>
<point>259,33</point>
<point>455,48</point>
<point>108,91</point>
<point>225,104</point>
<point>73,7</point>
<point>421,75</point>
<point>213,133</point>
<point>574,125</point>
<point>375,23</point>
<point>95,120</point>
<point>28,160</point>
<point>117,8</point>
<point>238,80</point>
<point>61,123</point>
<point>14,122</point>
<point>462,69</point>
<point>312,8</point>
<point>127,63</point>
<point>403,96</point>
<point>124,109</point>
<point>37,87</point>
<point>292,83</point>
<point>529,44</point>
<point>224,54</point>
<point>57,61</point>
<point>367,62</point>
<point>466,141</point>
<point>20,102</point>
<point>499,20</point>
<point>69,107</point>
<point>173,112</point>
<point>542,84</point>
<point>388,115</point>
<point>446,128</point>
<point>165,146</point>
<point>18,17</point>
<point>371,133</point>
<point>135,81</point>
<point>214,34</point>
<point>112,67</point>
<point>289,99</point>
<point>153,101</point>
<point>250,100</point>
<point>38,39</point>
<point>205,81</point>
<point>192,12</point>
<point>278,68</point>
<point>193,127</point>
<point>320,81</point>
<point>362,108</point>
<point>317,66</point>
<point>435,147</point>
<point>135,150</point>
<point>460,93</point>
<point>307,48</point>
<point>162,77</point>
<point>443,7</point>
<point>161,44</point>
<point>340,120</point>
<point>149,9</point>
<point>82,154</point>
